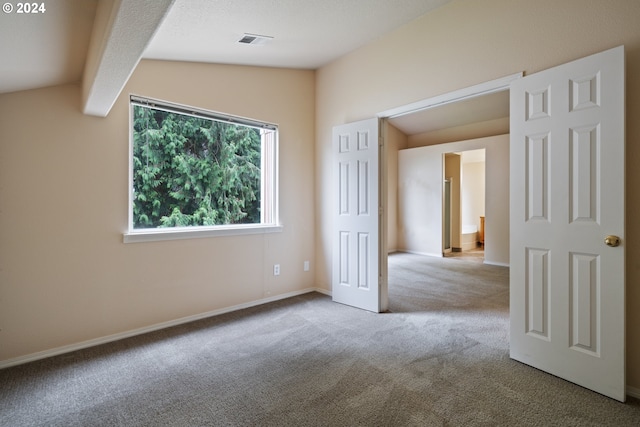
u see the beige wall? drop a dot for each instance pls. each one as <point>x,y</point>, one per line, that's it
<point>460,133</point>
<point>472,192</point>
<point>395,140</point>
<point>66,276</point>
<point>467,42</point>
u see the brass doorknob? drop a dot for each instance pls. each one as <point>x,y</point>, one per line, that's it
<point>612,241</point>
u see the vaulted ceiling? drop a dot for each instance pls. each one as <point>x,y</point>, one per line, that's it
<point>100,42</point>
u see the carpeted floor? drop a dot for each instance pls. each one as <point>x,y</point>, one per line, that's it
<point>438,358</point>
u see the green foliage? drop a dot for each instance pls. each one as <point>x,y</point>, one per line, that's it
<point>190,171</point>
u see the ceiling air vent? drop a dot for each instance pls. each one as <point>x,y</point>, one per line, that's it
<point>254,39</point>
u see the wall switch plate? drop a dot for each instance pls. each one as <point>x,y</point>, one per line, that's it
<point>306,266</point>
<point>276,269</point>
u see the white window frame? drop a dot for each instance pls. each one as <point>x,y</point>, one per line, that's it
<point>269,165</point>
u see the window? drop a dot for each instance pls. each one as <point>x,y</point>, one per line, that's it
<point>198,173</point>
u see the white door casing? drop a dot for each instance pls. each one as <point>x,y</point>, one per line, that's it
<point>356,270</point>
<point>567,304</point>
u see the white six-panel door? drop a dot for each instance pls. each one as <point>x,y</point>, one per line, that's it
<point>567,304</point>
<point>355,271</point>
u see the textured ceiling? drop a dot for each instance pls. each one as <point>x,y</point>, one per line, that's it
<point>45,49</point>
<point>53,48</point>
<point>473,110</point>
<point>306,33</point>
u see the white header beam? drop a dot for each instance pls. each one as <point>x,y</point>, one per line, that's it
<point>121,32</point>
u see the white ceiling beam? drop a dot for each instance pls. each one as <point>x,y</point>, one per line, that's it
<point>122,29</point>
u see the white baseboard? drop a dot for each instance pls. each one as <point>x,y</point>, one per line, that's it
<point>439,255</point>
<point>115,337</point>
<point>633,392</point>
<point>499,264</point>
<point>322,291</point>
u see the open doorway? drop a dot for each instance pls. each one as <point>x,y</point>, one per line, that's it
<point>463,214</point>
<point>416,143</point>
<point>353,262</point>
<point>469,119</point>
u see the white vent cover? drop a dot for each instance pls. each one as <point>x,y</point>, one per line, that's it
<point>254,39</point>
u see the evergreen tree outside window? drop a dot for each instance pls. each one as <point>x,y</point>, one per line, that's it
<point>196,168</point>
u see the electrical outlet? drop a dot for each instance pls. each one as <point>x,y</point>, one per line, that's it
<point>306,266</point>
<point>276,269</point>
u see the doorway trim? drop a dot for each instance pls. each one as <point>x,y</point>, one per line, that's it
<point>480,89</point>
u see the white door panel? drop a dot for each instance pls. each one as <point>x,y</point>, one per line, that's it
<point>356,240</point>
<point>567,194</point>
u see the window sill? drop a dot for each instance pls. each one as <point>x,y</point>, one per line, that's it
<point>160,234</point>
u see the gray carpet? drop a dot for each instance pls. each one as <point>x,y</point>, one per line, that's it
<point>439,358</point>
